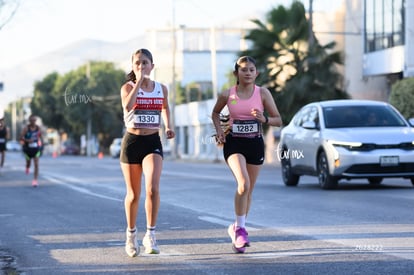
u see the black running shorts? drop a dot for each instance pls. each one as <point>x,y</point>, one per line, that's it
<point>252,148</point>
<point>31,153</point>
<point>134,148</point>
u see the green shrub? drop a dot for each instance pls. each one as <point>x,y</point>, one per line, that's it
<point>402,96</point>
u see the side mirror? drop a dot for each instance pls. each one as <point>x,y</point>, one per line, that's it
<point>310,125</point>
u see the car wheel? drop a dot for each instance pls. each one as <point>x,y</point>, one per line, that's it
<point>375,180</point>
<point>289,178</point>
<point>326,180</point>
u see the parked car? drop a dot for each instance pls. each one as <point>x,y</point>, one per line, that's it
<point>70,148</point>
<point>13,145</point>
<point>347,139</point>
<point>115,147</point>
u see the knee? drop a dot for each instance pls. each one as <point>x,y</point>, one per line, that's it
<point>131,198</point>
<point>243,188</point>
<point>152,191</point>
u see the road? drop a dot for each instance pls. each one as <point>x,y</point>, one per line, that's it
<point>74,222</point>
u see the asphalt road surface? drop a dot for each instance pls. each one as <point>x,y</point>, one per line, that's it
<point>74,222</point>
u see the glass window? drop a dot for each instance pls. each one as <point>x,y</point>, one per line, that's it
<point>384,24</point>
<point>361,116</point>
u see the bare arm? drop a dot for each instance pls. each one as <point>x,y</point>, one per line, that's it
<point>23,134</point>
<point>166,114</point>
<point>215,115</point>
<point>270,106</point>
<point>129,95</point>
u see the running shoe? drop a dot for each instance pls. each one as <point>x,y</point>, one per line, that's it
<point>232,233</point>
<point>34,183</point>
<point>27,170</point>
<point>131,244</point>
<point>238,236</point>
<point>150,244</point>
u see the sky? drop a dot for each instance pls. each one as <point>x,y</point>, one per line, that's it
<point>41,26</point>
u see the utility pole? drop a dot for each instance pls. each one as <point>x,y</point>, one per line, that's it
<point>213,51</point>
<point>89,121</point>
<point>14,120</point>
<point>311,39</point>
<point>173,82</point>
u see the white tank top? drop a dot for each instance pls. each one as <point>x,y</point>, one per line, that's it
<point>146,112</point>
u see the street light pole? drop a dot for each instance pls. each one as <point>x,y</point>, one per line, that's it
<point>311,36</point>
<point>89,121</point>
<point>213,51</point>
<point>173,81</point>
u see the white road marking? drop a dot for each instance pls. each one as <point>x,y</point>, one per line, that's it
<point>80,189</point>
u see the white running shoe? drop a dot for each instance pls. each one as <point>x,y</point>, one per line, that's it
<point>131,244</point>
<point>150,244</point>
<point>232,232</point>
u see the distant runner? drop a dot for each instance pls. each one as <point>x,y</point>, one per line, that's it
<point>32,147</point>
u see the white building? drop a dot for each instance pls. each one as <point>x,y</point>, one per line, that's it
<point>200,55</point>
<point>377,37</point>
<point>378,45</point>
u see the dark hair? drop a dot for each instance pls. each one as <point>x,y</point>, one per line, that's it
<point>243,59</point>
<point>147,53</point>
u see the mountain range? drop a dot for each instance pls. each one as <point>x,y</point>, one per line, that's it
<point>18,81</point>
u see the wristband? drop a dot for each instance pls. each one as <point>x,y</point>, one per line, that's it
<point>267,119</point>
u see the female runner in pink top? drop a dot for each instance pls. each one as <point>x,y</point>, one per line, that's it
<point>243,146</point>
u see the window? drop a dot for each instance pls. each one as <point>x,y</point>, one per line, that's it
<point>361,116</point>
<point>306,115</point>
<point>384,24</point>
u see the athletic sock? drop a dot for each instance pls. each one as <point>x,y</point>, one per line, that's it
<point>150,229</point>
<point>240,221</point>
<point>132,230</point>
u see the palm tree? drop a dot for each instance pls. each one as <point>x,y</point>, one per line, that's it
<point>294,71</point>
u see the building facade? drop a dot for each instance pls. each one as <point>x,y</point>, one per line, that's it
<point>379,37</point>
<point>189,56</point>
<point>376,36</point>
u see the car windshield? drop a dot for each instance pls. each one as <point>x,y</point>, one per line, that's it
<point>361,116</point>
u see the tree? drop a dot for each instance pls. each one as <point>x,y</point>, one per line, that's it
<point>90,92</point>
<point>402,96</point>
<point>295,72</point>
<point>45,103</point>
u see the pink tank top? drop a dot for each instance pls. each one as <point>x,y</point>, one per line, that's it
<point>242,122</point>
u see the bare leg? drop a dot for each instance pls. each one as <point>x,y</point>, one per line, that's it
<point>2,158</point>
<point>237,164</point>
<point>132,175</point>
<point>152,167</point>
<point>36,168</point>
<point>28,161</point>
<point>253,171</point>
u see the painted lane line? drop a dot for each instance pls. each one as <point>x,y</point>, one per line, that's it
<point>80,189</point>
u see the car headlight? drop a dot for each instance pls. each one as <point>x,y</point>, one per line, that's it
<point>407,145</point>
<point>359,146</point>
<point>347,145</point>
